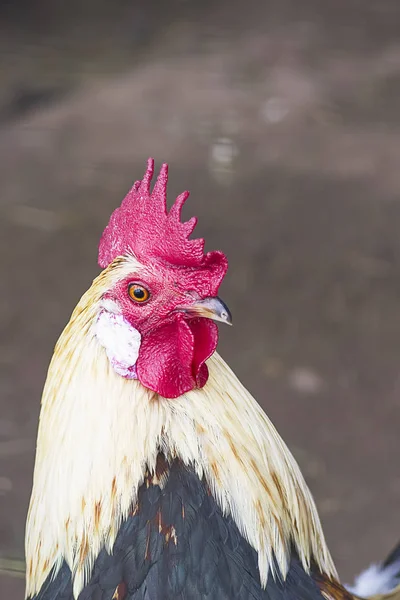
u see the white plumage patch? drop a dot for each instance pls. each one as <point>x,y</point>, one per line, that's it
<point>376,580</point>
<point>120,340</point>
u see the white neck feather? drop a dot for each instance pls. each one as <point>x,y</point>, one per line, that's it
<point>99,432</point>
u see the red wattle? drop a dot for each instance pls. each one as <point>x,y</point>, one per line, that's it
<point>206,340</point>
<point>172,357</point>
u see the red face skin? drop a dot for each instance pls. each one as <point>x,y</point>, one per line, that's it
<point>174,346</point>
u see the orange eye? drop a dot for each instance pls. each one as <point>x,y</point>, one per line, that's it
<point>138,293</point>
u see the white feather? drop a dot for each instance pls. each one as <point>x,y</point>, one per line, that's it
<point>376,580</point>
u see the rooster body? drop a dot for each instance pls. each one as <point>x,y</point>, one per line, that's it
<point>157,475</point>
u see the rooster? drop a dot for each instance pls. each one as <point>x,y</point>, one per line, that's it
<point>157,475</point>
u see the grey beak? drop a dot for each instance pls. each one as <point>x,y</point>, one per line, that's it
<point>210,308</point>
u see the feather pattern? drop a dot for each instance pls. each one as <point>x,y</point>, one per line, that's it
<point>177,540</point>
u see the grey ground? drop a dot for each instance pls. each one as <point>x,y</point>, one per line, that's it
<point>282,119</point>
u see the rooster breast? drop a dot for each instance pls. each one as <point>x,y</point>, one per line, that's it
<point>177,544</point>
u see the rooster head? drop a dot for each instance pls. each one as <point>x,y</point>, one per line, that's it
<point>156,322</point>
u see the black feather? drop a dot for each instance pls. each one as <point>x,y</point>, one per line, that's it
<point>179,546</point>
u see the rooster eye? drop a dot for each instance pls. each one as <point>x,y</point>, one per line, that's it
<point>138,293</point>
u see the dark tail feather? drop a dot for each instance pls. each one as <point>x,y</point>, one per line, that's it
<point>379,578</point>
<point>393,558</point>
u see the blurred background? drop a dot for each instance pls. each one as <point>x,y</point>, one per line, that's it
<point>282,119</point>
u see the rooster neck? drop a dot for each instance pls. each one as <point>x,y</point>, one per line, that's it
<point>100,433</point>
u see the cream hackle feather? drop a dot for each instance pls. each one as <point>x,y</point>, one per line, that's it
<point>99,433</point>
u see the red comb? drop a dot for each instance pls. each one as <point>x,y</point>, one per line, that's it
<point>142,226</point>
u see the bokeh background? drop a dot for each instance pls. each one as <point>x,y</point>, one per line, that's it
<point>282,118</point>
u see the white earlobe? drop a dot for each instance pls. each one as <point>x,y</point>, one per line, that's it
<point>120,340</point>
